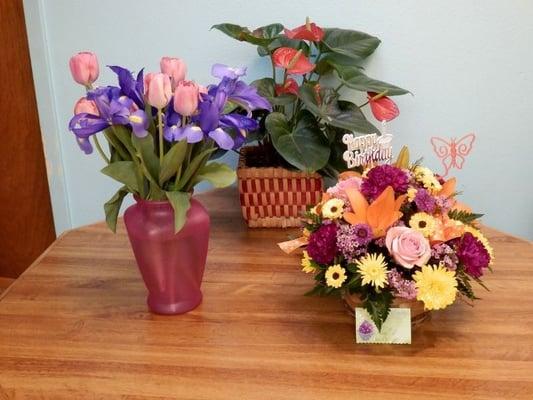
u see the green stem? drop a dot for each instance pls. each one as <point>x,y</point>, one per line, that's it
<point>161,143</point>
<point>100,150</point>
<point>336,90</point>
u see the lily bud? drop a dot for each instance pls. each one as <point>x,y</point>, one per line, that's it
<point>84,68</point>
<point>186,98</point>
<point>157,89</point>
<point>175,68</point>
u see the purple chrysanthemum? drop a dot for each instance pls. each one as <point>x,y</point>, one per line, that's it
<point>378,178</point>
<point>473,255</point>
<point>322,245</point>
<point>402,287</point>
<point>424,201</point>
<point>446,255</point>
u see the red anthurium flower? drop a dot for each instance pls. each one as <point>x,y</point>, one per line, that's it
<point>292,60</point>
<point>290,87</point>
<point>383,108</point>
<point>309,31</point>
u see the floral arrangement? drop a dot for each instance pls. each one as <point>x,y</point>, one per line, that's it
<point>311,68</point>
<point>394,232</point>
<point>162,129</point>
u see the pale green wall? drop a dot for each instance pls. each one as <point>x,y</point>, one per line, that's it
<point>469,64</point>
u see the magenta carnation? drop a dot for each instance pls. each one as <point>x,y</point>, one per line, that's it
<point>378,178</point>
<point>322,245</point>
<point>473,255</point>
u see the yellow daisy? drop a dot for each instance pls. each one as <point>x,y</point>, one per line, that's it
<point>427,178</point>
<point>307,264</point>
<point>479,236</point>
<point>436,286</point>
<point>411,193</point>
<point>373,270</point>
<point>333,209</point>
<point>424,223</point>
<point>335,276</point>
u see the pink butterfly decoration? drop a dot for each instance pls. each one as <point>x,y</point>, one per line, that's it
<point>453,153</point>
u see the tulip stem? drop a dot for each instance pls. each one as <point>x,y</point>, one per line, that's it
<point>161,143</point>
<point>100,150</point>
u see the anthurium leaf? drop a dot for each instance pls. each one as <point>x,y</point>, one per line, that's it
<point>268,31</point>
<point>193,168</point>
<point>112,207</point>
<point>172,160</point>
<point>243,34</point>
<point>304,147</point>
<point>284,41</point>
<point>180,202</point>
<point>341,114</point>
<point>123,172</point>
<point>354,44</point>
<point>354,78</point>
<point>218,174</point>
<point>266,88</point>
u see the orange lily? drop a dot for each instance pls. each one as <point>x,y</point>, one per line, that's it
<point>448,189</point>
<point>380,215</point>
<point>447,229</point>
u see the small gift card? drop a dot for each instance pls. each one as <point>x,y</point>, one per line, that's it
<point>395,330</point>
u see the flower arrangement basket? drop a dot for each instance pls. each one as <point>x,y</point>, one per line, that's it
<point>275,197</point>
<point>418,314</point>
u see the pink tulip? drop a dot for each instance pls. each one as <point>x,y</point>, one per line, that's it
<point>85,105</point>
<point>175,68</point>
<point>157,89</point>
<point>186,98</point>
<point>84,68</point>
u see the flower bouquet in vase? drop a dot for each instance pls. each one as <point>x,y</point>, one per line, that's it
<point>394,236</point>
<point>162,131</point>
<point>299,141</point>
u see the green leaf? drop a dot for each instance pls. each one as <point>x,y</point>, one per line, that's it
<point>378,306</point>
<point>284,41</point>
<point>353,44</point>
<point>218,174</point>
<point>193,167</point>
<point>305,146</point>
<point>464,216</point>
<point>112,208</point>
<point>145,149</point>
<point>341,114</point>
<point>123,172</point>
<point>172,160</point>
<point>261,36</point>
<point>180,202</point>
<point>354,78</point>
<point>266,88</point>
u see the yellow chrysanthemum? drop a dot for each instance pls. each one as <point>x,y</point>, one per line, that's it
<point>411,193</point>
<point>424,223</point>
<point>436,287</point>
<point>427,178</point>
<point>479,236</point>
<point>373,270</point>
<point>335,276</point>
<point>307,265</point>
<point>333,209</point>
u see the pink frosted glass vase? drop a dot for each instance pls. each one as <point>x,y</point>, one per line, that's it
<point>171,264</point>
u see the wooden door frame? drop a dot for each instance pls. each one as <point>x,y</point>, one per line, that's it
<point>51,130</point>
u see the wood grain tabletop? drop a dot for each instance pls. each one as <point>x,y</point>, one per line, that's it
<point>75,326</point>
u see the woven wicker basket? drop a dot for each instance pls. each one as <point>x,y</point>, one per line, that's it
<point>418,313</point>
<point>275,197</point>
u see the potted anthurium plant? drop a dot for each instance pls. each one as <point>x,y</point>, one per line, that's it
<point>162,130</point>
<point>315,73</point>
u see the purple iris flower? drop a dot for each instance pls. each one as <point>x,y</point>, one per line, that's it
<point>192,133</point>
<point>133,88</point>
<point>114,109</point>
<point>220,71</point>
<point>85,145</point>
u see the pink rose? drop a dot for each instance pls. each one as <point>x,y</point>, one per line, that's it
<point>407,246</point>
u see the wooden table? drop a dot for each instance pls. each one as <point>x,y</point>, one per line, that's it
<point>76,326</point>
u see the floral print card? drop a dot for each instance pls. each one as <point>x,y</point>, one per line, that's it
<point>395,330</point>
